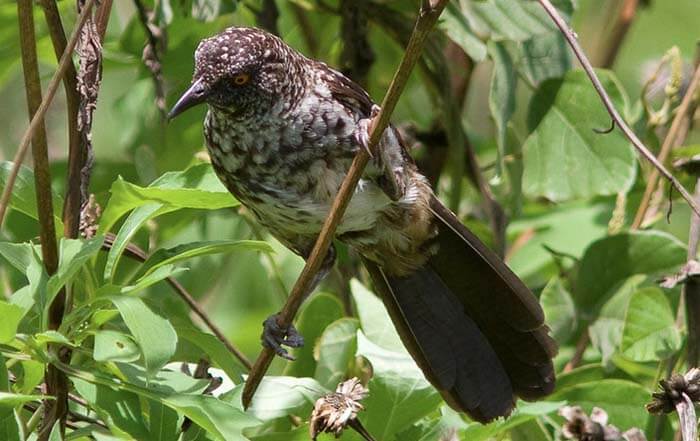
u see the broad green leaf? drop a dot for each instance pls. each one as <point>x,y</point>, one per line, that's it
<point>374,318</point>
<point>11,316</point>
<point>622,400</point>
<point>19,255</point>
<point>217,352</point>
<point>399,393</point>
<point>120,409</point>
<point>154,334</point>
<point>650,332</point>
<point>221,419</point>
<point>563,157</point>
<point>23,197</point>
<point>524,413</point>
<point>559,310</point>
<point>544,57</point>
<point>51,336</point>
<point>502,95</point>
<point>509,20</point>
<point>142,283</point>
<point>166,381</point>
<point>281,396</point>
<point>163,422</point>
<point>609,261</point>
<point>298,434</point>
<point>73,253</point>
<point>196,187</point>
<point>114,346</point>
<point>319,312</point>
<point>133,223</point>
<point>335,350</point>
<point>455,25</point>
<point>165,256</point>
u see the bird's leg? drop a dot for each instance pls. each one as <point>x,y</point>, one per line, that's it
<point>389,158</point>
<point>274,336</point>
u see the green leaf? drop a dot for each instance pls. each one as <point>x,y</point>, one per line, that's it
<point>523,414</point>
<point>221,419</point>
<point>11,316</point>
<point>559,310</point>
<point>622,400</point>
<point>133,223</point>
<point>281,396</point>
<point>509,20</point>
<point>19,255</point>
<point>165,256</point>
<point>163,423</point>
<point>114,346</point>
<point>374,319</point>
<point>650,332</point>
<point>399,393</point>
<point>455,25</point>
<point>502,95</point>
<point>609,261</point>
<point>298,434</point>
<point>9,400</point>
<point>319,312</point>
<point>73,253</point>
<point>563,157</point>
<point>217,352</point>
<point>120,409</point>
<point>154,334</point>
<point>606,331</point>
<point>23,196</point>
<point>335,351</point>
<point>195,187</point>
<point>9,426</point>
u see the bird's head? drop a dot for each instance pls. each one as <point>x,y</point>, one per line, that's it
<point>239,71</point>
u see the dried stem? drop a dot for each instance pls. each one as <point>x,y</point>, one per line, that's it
<point>266,17</point>
<point>357,56</point>
<point>137,253</point>
<point>691,290</point>
<point>63,64</point>
<point>571,38</point>
<point>623,21</point>
<point>71,206</point>
<point>152,52</point>
<point>429,13</point>
<point>673,139</point>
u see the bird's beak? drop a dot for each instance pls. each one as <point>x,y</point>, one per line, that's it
<point>196,94</point>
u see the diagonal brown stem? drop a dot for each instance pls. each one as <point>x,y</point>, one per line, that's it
<point>428,15</point>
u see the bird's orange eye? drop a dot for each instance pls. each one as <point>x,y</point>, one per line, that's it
<point>241,79</point>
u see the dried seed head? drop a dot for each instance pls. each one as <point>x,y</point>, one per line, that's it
<point>333,412</point>
<point>672,391</point>
<point>579,426</point>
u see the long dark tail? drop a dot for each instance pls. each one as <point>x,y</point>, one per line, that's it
<point>472,326</point>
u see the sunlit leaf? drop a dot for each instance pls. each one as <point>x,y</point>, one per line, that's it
<point>335,350</point>
<point>563,157</point>
<point>114,346</point>
<point>374,318</point>
<point>559,310</point>
<point>11,316</point>
<point>650,331</point>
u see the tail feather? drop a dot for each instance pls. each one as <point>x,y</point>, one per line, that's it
<point>473,327</point>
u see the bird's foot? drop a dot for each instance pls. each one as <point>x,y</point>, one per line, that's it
<point>273,337</point>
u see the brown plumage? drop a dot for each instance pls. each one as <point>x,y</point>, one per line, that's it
<point>282,131</point>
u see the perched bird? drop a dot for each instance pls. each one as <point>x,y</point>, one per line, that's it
<point>282,131</point>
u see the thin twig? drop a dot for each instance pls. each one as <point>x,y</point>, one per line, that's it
<point>691,290</point>
<point>41,111</point>
<point>673,139</point>
<point>137,253</point>
<point>266,17</point>
<point>152,51</point>
<point>428,15</point>
<point>572,39</point>
<point>357,56</point>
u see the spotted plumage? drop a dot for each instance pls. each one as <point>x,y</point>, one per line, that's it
<point>282,131</point>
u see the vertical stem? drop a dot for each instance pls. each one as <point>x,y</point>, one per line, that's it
<point>691,290</point>
<point>76,156</point>
<point>623,21</point>
<point>53,410</point>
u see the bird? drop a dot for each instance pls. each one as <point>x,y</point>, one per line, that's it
<point>281,130</point>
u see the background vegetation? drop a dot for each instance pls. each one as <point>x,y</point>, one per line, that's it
<point>500,119</point>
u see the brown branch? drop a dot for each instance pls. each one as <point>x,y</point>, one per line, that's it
<point>428,15</point>
<point>691,290</point>
<point>266,17</point>
<point>102,17</point>
<point>572,39</point>
<point>63,64</point>
<point>623,21</point>
<point>307,29</point>
<point>673,138</point>
<point>71,205</point>
<point>137,253</point>
<point>53,410</point>
<point>152,52</point>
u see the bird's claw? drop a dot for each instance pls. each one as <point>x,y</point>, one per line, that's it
<point>362,134</point>
<point>273,337</point>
